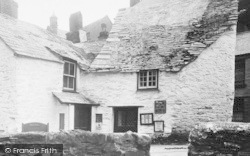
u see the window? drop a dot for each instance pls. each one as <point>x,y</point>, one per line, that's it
<point>61,121</point>
<point>69,76</point>
<point>148,79</point>
<point>238,110</point>
<point>160,107</point>
<point>240,73</point>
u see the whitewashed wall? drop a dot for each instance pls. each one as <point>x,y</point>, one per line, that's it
<point>8,112</point>
<point>203,91</point>
<point>35,81</point>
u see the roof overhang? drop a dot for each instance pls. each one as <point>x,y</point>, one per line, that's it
<point>123,106</point>
<point>73,98</point>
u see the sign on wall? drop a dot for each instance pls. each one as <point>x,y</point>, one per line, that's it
<point>159,126</point>
<point>147,119</point>
<point>98,118</point>
<point>160,107</point>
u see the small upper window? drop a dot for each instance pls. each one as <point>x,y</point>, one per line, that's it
<point>148,79</point>
<point>69,76</point>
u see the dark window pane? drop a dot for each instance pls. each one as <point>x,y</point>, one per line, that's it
<point>66,68</point>
<point>65,81</point>
<point>150,83</point>
<point>71,82</point>
<point>72,69</point>
<point>240,71</point>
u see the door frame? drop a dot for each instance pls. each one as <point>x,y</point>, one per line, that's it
<point>90,115</point>
<point>115,109</point>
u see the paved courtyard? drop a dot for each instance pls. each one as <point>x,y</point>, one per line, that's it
<point>168,150</point>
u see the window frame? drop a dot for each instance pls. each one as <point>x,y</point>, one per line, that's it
<point>238,108</point>
<point>69,61</point>
<point>147,81</point>
<point>240,84</point>
<point>144,117</point>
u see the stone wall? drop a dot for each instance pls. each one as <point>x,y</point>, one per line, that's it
<point>78,143</point>
<point>212,139</point>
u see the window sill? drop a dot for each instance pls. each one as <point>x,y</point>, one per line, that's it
<point>147,90</point>
<point>71,91</point>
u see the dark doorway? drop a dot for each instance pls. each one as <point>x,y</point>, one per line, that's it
<point>83,117</point>
<point>125,119</point>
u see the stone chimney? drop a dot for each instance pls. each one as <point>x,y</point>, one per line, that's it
<point>9,7</point>
<point>75,25</point>
<point>75,22</point>
<point>134,2</point>
<point>53,24</point>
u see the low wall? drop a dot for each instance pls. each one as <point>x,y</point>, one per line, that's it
<point>220,139</point>
<point>82,143</point>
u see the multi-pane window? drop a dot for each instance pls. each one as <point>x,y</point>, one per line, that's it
<point>240,73</point>
<point>69,75</point>
<point>148,79</point>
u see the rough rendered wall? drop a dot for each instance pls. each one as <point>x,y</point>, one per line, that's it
<point>203,91</point>
<point>7,89</point>
<point>36,80</point>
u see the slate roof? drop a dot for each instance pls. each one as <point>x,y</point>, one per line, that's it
<point>29,40</point>
<point>73,98</point>
<point>164,34</point>
<point>95,27</point>
<point>243,43</point>
<point>62,33</point>
<point>91,46</point>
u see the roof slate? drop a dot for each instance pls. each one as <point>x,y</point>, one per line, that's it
<point>164,34</point>
<point>30,40</point>
<point>243,43</point>
<point>73,98</point>
<point>94,28</point>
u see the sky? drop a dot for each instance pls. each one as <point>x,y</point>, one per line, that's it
<point>38,12</point>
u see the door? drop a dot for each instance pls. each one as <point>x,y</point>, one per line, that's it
<point>125,119</point>
<point>83,117</point>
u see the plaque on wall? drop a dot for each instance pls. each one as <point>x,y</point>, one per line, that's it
<point>98,118</point>
<point>160,107</point>
<point>147,119</point>
<point>159,126</point>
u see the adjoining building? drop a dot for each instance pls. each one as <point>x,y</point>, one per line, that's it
<point>166,65</point>
<point>241,110</point>
<point>98,30</point>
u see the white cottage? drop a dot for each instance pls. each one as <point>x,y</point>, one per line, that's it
<point>167,65</point>
<point>36,65</point>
